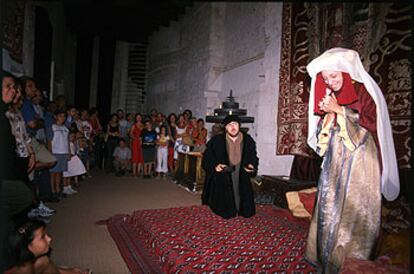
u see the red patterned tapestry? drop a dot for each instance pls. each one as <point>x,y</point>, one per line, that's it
<point>195,240</point>
<point>380,32</point>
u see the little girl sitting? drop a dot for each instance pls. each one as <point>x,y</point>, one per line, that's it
<point>30,248</point>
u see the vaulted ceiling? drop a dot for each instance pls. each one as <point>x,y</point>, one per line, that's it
<point>128,20</point>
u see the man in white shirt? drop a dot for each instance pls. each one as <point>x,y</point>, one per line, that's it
<point>122,155</point>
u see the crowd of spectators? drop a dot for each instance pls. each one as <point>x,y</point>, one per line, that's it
<point>147,145</point>
<point>50,146</point>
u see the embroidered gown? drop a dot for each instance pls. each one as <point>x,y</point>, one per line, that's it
<point>347,215</point>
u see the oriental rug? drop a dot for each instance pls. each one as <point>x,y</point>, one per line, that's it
<point>195,240</point>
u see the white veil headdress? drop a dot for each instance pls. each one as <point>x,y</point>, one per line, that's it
<point>347,60</point>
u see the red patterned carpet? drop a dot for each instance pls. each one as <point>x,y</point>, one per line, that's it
<point>194,240</point>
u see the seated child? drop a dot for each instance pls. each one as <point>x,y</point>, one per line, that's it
<point>30,247</point>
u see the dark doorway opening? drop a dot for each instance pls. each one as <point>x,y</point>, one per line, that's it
<point>42,50</point>
<point>83,70</point>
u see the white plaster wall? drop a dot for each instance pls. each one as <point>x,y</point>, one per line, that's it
<point>244,32</point>
<point>120,76</point>
<point>266,120</point>
<point>178,63</point>
<point>245,83</point>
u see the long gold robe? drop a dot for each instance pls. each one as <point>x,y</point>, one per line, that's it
<point>347,214</point>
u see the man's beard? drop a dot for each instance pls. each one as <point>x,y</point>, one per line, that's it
<point>233,135</point>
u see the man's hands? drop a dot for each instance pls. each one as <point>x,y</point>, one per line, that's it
<point>221,167</point>
<point>249,168</point>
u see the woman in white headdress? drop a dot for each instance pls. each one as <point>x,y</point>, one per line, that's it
<point>349,127</point>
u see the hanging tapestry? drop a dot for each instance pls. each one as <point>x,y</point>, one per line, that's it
<point>380,32</point>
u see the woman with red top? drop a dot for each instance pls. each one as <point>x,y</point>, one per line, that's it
<point>349,127</point>
<point>136,145</point>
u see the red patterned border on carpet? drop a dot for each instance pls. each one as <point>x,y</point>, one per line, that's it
<point>194,240</point>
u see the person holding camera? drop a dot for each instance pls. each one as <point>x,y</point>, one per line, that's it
<point>230,160</point>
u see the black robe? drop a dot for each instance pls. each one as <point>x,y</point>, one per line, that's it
<point>218,186</point>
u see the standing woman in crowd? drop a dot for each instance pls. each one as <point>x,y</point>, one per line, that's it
<point>97,137</point>
<point>112,138</point>
<point>171,127</point>
<point>200,139</point>
<point>136,145</point>
<point>350,127</point>
<point>24,150</point>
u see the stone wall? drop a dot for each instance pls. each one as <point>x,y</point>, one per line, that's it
<point>63,47</point>
<point>215,48</point>
<point>178,63</point>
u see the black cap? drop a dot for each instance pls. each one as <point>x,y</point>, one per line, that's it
<point>231,118</point>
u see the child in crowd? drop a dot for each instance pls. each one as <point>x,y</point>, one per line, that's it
<point>86,126</point>
<point>83,152</point>
<point>162,151</point>
<point>130,122</point>
<point>59,146</point>
<point>148,136</point>
<point>75,167</point>
<point>30,248</point>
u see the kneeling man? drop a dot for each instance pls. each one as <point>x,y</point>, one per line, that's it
<point>230,160</point>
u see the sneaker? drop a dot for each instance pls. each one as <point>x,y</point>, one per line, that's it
<point>44,207</point>
<point>36,212</point>
<point>72,190</point>
<point>66,191</point>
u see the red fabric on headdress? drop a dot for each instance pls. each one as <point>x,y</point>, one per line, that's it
<point>345,96</point>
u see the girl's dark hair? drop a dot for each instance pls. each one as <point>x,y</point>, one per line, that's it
<point>6,74</point>
<point>190,113</point>
<point>92,111</point>
<point>20,237</point>
<point>136,114</point>
<point>169,117</point>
